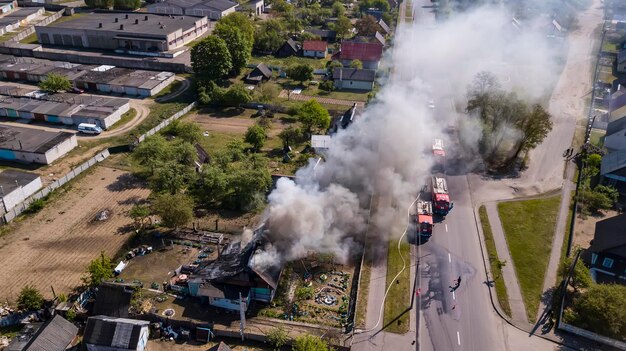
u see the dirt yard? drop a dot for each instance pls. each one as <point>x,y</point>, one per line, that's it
<point>54,246</point>
<point>234,125</point>
<point>586,228</point>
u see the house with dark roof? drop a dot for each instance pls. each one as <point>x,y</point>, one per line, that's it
<point>56,335</point>
<point>221,347</point>
<point>104,333</point>
<point>289,48</point>
<point>377,38</point>
<point>314,48</point>
<point>259,74</point>
<point>212,9</point>
<point>606,257</point>
<point>621,61</point>
<point>328,35</point>
<point>354,79</point>
<point>113,299</point>
<point>345,119</point>
<point>368,53</point>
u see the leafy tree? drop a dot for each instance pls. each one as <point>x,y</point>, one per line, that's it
<point>277,337</point>
<point>366,26</point>
<point>331,65</point>
<point>327,85</point>
<point>185,154</point>
<point>338,9</point>
<point>235,150</point>
<point>382,5</point>
<point>313,115</point>
<point>139,213</point>
<point>70,315</point>
<point>236,95</point>
<point>238,47</point>
<point>211,186</point>
<point>595,201</point>
<point>356,64</point>
<point>210,58</point>
<point>29,298</point>
<point>99,270</point>
<point>256,136</point>
<point>310,343</point>
<point>269,36</point>
<point>126,4</point>
<point>171,177</point>
<point>152,151</point>
<point>609,191</point>
<point>266,93</point>
<point>99,4</point>
<point>581,277</point>
<point>533,129</point>
<point>240,21</point>
<point>248,185</point>
<point>343,26</point>
<point>187,131</point>
<point>305,293</point>
<point>54,82</point>
<point>290,136</point>
<point>601,310</point>
<point>174,209</point>
<point>300,72</point>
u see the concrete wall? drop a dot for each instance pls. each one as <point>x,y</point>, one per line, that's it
<point>316,54</point>
<point>31,29</point>
<point>20,194</point>
<point>61,149</point>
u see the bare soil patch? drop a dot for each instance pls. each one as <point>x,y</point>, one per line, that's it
<point>234,125</point>
<point>54,246</point>
<point>585,228</point>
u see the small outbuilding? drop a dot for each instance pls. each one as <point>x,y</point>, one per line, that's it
<point>355,79</point>
<point>121,334</point>
<point>17,186</point>
<point>314,48</point>
<point>289,48</point>
<point>56,334</point>
<point>31,145</point>
<point>259,74</point>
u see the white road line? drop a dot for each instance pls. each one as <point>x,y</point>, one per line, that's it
<point>458,338</point>
<point>449,257</point>
<point>453,296</point>
<point>446,227</point>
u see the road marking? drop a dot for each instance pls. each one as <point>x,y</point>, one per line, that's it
<point>453,296</point>
<point>446,227</point>
<point>449,258</point>
<point>458,338</point>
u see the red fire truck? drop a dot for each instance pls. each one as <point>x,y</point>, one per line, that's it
<point>424,218</point>
<point>439,154</point>
<point>440,196</point>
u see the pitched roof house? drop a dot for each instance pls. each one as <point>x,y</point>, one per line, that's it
<point>289,48</point>
<point>355,79</point>
<point>314,48</point>
<point>606,257</point>
<point>368,53</point>
<point>259,74</point>
<point>324,34</point>
<point>56,335</point>
<point>120,334</point>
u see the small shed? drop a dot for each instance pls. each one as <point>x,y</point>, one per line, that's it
<point>320,143</point>
<point>289,48</point>
<point>259,74</point>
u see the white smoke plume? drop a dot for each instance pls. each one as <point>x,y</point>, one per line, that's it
<point>385,151</point>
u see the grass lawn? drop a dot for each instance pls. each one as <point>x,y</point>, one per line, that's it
<point>288,61</point>
<point>529,229</point>
<point>597,137</point>
<point>127,117</point>
<point>364,288</point>
<point>169,89</point>
<point>396,318</point>
<point>609,47</point>
<point>496,269</point>
<point>31,39</point>
<point>353,95</point>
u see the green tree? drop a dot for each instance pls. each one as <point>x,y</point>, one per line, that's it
<point>29,298</point>
<point>54,82</point>
<point>256,136</point>
<point>382,5</point>
<point>338,9</point>
<point>99,270</point>
<point>356,64</point>
<point>174,209</point>
<point>305,293</point>
<point>185,154</point>
<point>240,21</point>
<point>187,131</point>
<point>601,310</point>
<point>343,26</point>
<point>153,151</point>
<point>581,277</point>
<point>210,58</point>
<point>126,4</point>
<point>313,115</point>
<point>266,93</point>
<point>238,47</point>
<point>366,26</point>
<point>70,315</point>
<point>310,343</point>
<point>236,95</point>
<point>290,135</point>
<point>211,186</point>
<point>533,129</point>
<point>300,72</point>
<point>139,213</point>
<point>269,36</point>
<point>171,177</point>
<point>99,4</point>
<point>248,183</point>
<point>277,337</point>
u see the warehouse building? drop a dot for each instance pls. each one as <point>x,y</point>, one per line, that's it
<point>16,186</point>
<point>31,145</point>
<point>213,9</point>
<point>105,79</point>
<point>132,33</point>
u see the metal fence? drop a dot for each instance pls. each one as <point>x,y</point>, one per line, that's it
<point>592,336</point>
<point>167,122</point>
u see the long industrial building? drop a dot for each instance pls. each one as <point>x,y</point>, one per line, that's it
<point>69,109</point>
<point>132,33</point>
<point>30,145</point>
<point>105,79</point>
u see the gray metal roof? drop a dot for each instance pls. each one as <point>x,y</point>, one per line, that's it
<point>56,335</point>
<point>613,161</point>
<point>30,139</point>
<point>10,179</point>
<point>363,75</point>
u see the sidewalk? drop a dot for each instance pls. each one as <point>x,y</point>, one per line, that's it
<point>518,311</point>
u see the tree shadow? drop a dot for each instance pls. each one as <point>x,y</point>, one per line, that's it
<point>124,182</point>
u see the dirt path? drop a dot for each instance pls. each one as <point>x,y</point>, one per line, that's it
<point>186,84</point>
<point>53,247</point>
<point>232,124</point>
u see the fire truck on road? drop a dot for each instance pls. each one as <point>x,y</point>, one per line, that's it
<point>440,196</point>
<point>424,218</point>
<point>439,154</point>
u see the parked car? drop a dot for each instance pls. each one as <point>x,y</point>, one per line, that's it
<point>76,90</point>
<point>89,128</point>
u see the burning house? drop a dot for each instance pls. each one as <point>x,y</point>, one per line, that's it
<point>239,276</point>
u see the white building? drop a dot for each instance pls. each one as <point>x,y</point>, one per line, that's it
<point>212,9</point>
<point>16,186</point>
<point>30,145</point>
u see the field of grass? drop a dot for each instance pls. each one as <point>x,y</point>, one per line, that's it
<point>496,268</point>
<point>597,137</point>
<point>529,229</point>
<point>288,61</point>
<point>127,117</point>
<point>396,318</point>
<point>169,89</point>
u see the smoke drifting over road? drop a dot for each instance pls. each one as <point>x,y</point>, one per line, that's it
<point>385,151</point>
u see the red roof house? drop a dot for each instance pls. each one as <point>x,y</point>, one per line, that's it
<point>314,48</point>
<point>368,53</point>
